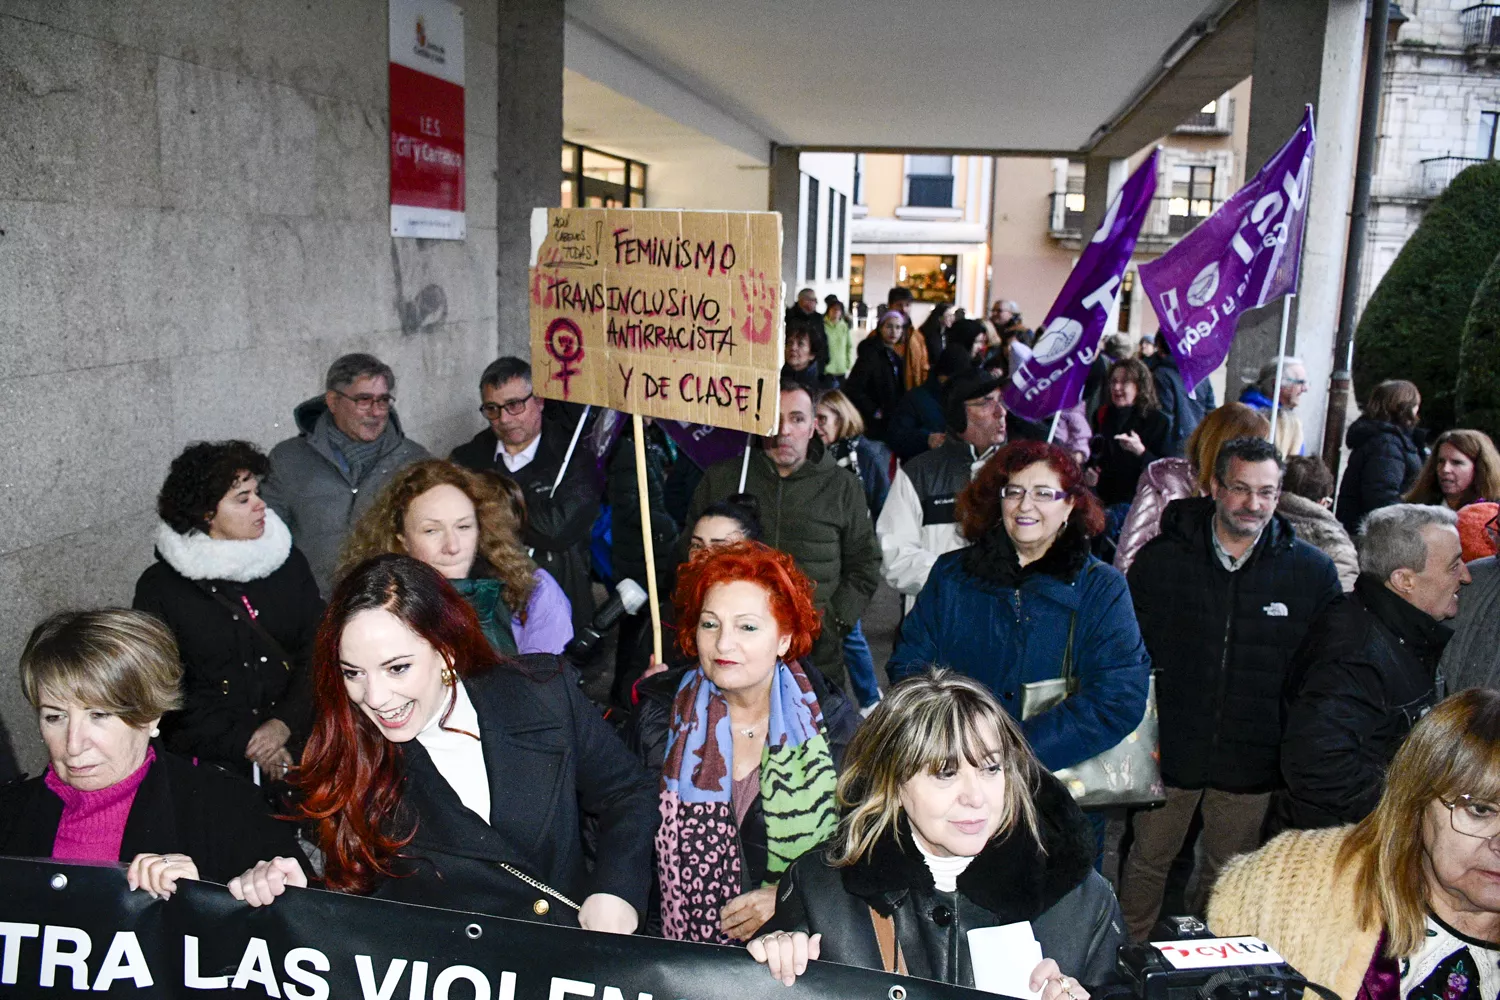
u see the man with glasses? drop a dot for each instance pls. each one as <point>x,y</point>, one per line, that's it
<point>521,444</point>
<point>349,446</point>
<point>1224,596</point>
<point>1368,670</point>
<point>918,522</point>
<point>1257,396</point>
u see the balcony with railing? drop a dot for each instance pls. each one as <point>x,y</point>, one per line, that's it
<point>1481,24</point>
<point>1167,220</point>
<point>1437,173</point>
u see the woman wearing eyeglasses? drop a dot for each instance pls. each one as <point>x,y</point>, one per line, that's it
<point>1026,594</point>
<point>1406,904</point>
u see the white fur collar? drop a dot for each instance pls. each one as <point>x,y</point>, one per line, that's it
<point>199,557</point>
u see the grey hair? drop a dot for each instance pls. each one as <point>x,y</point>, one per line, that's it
<point>1266,381</point>
<point>343,372</point>
<point>1390,538</point>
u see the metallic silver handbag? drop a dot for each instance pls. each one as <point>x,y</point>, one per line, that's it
<point>1128,774</point>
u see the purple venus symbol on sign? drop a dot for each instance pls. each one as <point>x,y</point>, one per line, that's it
<point>565,344</point>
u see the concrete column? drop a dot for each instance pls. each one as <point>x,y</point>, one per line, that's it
<point>1306,52</point>
<point>529,86</point>
<point>786,198</point>
<point>1102,179</point>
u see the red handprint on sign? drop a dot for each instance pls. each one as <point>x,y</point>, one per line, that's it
<point>544,278</point>
<point>757,304</point>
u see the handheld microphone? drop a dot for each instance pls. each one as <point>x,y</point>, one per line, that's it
<point>629,597</point>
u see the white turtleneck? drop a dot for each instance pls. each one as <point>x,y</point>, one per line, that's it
<point>945,871</point>
<point>459,757</point>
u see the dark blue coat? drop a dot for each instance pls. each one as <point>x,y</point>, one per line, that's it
<point>919,414</point>
<point>983,615</point>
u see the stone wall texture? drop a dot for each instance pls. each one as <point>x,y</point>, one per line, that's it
<point>193,224</point>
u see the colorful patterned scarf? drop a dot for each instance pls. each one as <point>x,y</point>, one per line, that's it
<point>697,847</point>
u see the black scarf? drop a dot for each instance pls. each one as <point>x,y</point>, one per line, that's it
<point>994,560</point>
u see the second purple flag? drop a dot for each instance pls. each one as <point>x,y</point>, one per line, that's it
<point>1052,379</point>
<point>1241,257</point>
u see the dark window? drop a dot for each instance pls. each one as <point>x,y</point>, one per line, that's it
<point>1127,285</point>
<point>833,232</point>
<point>593,179</point>
<point>1192,198</point>
<point>1489,125</point>
<point>859,178</point>
<point>812,229</point>
<point>843,215</point>
<point>929,182</point>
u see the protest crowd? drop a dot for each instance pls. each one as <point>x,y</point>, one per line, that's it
<point>355,666</point>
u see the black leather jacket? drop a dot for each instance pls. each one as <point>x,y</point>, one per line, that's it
<point>1072,910</point>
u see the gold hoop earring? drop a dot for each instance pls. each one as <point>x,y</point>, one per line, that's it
<point>448,676</point>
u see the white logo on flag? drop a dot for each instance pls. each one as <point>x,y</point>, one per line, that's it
<point>1204,285</point>
<point>1060,337</point>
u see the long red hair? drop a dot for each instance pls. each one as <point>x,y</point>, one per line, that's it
<point>351,774</point>
<point>790,591</point>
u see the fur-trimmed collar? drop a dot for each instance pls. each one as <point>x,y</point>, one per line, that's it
<point>993,558</point>
<point>199,557</point>
<point>1011,877</point>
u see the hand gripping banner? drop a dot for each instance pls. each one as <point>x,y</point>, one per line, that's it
<point>78,928</point>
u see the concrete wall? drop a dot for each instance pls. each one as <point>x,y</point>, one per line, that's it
<point>193,224</point>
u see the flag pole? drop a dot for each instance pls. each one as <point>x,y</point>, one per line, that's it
<point>562,470</point>
<point>745,463</point>
<point>1052,431</point>
<point>1286,313</point>
<point>641,486</point>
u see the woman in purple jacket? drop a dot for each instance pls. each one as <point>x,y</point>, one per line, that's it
<point>459,523</point>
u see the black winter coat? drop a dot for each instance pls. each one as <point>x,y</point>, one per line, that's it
<point>1363,677</point>
<point>220,821</point>
<point>1118,468</point>
<point>1222,644</point>
<point>551,759</point>
<point>1072,911</point>
<point>876,384</point>
<point>558,526</point>
<point>233,681</point>
<point>1384,461</point>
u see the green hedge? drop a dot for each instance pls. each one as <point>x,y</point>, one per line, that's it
<point>1414,322</point>
<point>1478,396</point>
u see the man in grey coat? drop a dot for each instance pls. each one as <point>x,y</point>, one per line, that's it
<point>349,446</point>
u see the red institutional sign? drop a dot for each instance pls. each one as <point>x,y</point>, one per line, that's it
<point>427,119</point>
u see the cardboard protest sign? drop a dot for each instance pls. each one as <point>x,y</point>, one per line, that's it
<point>668,314</point>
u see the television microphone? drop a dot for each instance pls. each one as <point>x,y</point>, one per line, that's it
<point>629,597</point>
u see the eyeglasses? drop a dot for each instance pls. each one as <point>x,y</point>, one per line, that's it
<point>1473,817</point>
<point>1040,494</point>
<point>515,407</point>
<point>366,402</point>
<point>1242,492</point>
<point>993,399</point>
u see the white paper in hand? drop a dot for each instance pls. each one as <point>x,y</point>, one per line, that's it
<point>1004,958</point>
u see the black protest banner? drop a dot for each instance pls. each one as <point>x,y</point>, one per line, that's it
<point>79,928</point>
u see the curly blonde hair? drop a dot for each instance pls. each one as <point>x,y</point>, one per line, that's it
<point>379,530</point>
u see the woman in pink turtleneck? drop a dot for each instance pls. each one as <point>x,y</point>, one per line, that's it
<point>100,682</point>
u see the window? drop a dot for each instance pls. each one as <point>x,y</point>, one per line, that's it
<point>856,278</point>
<point>1192,198</point>
<point>833,232</point>
<point>592,179</point>
<point>1127,285</point>
<point>1072,218</point>
<point>931,278</point>
<point>843,217</point>
<point>1489,125</point>
<point>811,272</point>
<point>859,178</point>
<point>929,181</point>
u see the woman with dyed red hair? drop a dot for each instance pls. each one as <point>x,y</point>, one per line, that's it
<point>440,773</point>
<point>1026,595</point>
<point>748,746</point>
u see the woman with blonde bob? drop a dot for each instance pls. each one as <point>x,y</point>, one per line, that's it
<point>1406,904</point>
<point>462,525</point>
<point>950,826</point>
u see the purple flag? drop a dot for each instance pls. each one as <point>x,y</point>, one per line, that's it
<point>704,444</point>
<point>1052,378</point>
<point>1241,257</point>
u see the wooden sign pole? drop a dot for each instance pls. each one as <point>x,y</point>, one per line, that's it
<point>641,487</point>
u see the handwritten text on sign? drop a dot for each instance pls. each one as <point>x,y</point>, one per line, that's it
<point>666,314</point>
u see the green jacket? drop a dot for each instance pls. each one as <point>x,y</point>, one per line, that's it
<point>818,515</point>
<point>483,595</point>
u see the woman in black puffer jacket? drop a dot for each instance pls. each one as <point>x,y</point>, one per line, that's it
<point>244,607</point>
<point>1384,457</point>
<point>950,827</point>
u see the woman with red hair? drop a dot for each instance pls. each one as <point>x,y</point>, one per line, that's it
<point>749,762</point>
<point>440,773</point>
<point>1025,597</point>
